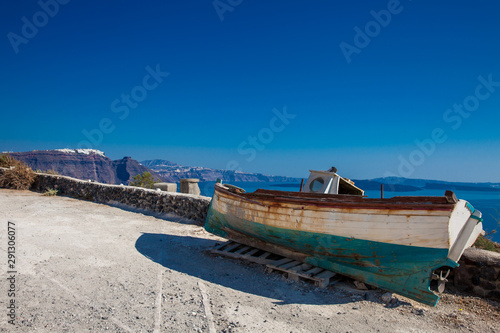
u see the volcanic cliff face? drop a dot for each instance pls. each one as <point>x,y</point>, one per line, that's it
<point>84,164</point>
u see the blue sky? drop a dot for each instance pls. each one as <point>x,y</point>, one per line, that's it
<point>375,88</point>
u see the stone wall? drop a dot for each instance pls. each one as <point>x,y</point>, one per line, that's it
<point>187,206</point>
<point>479,273</point>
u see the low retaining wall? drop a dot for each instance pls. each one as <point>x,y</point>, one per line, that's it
<point>479,273</point>
<point>188,206</point>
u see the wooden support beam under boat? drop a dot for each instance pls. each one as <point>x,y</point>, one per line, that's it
<point>266,246</point>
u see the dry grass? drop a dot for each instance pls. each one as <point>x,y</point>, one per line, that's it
<point>18,176</point>
<point>50,192</point>
<point>6,161</point>
<point>486,244</point>
<point>52,172</point>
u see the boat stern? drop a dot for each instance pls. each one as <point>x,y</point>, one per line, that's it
<point>464,228</point>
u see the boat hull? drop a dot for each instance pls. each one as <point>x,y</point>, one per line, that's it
<point>403,269</point>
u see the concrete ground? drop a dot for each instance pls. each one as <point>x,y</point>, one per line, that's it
<point>82,266</point>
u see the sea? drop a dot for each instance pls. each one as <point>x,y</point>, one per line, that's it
<point>486,202</point>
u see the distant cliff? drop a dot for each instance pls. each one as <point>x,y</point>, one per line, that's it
<point>438,184</point>
<point>368,185</point>
<point>84,164</point>
<point>172,172</point>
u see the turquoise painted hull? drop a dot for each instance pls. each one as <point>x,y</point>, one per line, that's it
<point>405,270</point>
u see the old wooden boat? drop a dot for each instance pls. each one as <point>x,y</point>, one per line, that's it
<point>395,243</point>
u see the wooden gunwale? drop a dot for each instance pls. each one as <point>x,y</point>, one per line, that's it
<point>339,201</point>
<point>351,197</point>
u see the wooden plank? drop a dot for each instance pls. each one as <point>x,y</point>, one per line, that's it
<point>295,272</point>
<point>243,249</point>
<point>257,260</point>
<point>232,247</point>
<point>273,248</point>
<point>348,198</point>
<point>247,257</point>
<point>214,251</point>
<point>301,268</point>
<point>313,271</point>
<point>290,264</point>
<point>219,247</point>
<point>305,276</point>
<point>323,279</point>
<point>399,203</point>
<point>281,262</point>
<point>265,255</point>
<point>252,252</point>
<point>325,275</point>
<point>322,283</point>
<point>224,253</point>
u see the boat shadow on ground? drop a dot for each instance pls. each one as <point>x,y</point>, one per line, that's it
<point>189,255</point>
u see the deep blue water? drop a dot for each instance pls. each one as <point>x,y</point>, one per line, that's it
<point>487,202</point>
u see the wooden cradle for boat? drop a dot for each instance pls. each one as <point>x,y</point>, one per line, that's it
<point>394,244</point>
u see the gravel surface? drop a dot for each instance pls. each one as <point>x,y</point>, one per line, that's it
<point>83,266</point>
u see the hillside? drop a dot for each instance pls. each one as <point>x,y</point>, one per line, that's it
<point>438,184</point>
<point>83,164</point>
<point>172,172</point>
<point>368,185</point>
